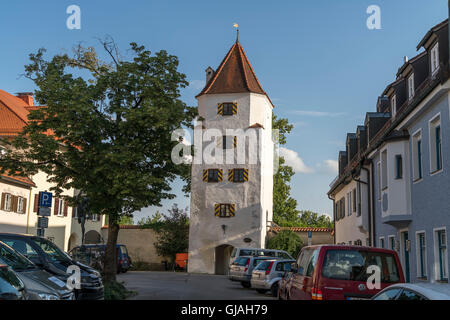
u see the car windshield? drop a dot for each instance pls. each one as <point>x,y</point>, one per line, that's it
<point>241,261</point>
<point>124,250</point>
<point>14,259</point>
<point>51,250</point>
<point>9,280</point>
<point>263,265</point>
<point>353,265</point>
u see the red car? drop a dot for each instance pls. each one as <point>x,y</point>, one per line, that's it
<point>336,272</point>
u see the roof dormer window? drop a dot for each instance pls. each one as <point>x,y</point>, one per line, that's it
<point>393,105</point>
<point>411,86</point>
<point>434,59</point>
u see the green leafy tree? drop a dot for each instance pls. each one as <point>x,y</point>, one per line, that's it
<point>106,130</point>
<point>313,219</point>
<point>173,235</point>
<point>288,241</point>
<point>285,212</point>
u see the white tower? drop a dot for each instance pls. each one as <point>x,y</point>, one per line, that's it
<point>231,203</point>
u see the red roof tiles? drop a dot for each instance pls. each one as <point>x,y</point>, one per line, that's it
<point>234,75</point>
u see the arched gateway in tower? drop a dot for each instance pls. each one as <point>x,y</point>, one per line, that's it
<point>232,172</point>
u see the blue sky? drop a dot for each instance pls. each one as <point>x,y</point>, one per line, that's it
<point>317,60</point>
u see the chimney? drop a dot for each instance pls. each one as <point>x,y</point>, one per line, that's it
<point>405,59</point>
<point>27,97</point>
<point>209,73</point>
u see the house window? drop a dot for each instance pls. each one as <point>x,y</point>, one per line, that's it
<point>398,167</point>
<point>384,173</point>
<point>343,208</point>
<point>6,201</point>
<point>392,242</point>
<point>227,108</point>
<point>442,263</point>
<point>224,210</point>
<point>411,86</point>
<point>354,200</point>
<point>212,175</point>
<point>94,217</point>
<point>75,212</point>
<point>421,255</point>
<point>393,105</point>
<point>238,175</point>
<point>229,142</point>
<point>435,59</point>
<point>60,207</point>
<point>20,205</point>
<point>349,203</point>
<point>382,242</point>
<point>435,144</point>
<point>417,153</point>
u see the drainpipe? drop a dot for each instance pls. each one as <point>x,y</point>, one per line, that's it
<point>29,205</point>
<point>369,197</point>
<point>334,217</point>
<point>372,178</point>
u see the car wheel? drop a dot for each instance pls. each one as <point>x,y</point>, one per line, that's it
<point>262,291</point>
<point>245,284</point>
<point>274,290</point>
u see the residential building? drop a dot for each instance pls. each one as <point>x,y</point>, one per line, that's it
<point>19,195</point>
<point>231,203</point>
<point>407,153</point>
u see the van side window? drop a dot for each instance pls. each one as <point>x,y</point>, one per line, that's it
<point>312,263</point>
<point>304,259</point>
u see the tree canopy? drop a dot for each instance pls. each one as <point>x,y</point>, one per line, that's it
<point>288,241</point>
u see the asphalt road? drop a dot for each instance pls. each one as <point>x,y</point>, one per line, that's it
<point>152,285</point>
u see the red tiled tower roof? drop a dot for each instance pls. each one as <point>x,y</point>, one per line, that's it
<point>234,75</point>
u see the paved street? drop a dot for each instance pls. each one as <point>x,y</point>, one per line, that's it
<point>152,285</point>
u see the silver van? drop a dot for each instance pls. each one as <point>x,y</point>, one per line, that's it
<point>239,252</point>
<point>267,274</point>
<point>39,284</point>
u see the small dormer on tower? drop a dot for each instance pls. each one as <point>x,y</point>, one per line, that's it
<point>209,73</point>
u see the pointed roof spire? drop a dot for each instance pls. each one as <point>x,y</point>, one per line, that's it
<point>234,75</point>
<point>237,31</point>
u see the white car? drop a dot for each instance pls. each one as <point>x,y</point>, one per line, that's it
<point>416,291</point>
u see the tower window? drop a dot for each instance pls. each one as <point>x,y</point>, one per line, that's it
<point>224,210</point>
<point>212,175</point>
<point>227,108</point>
<point>238,175</point>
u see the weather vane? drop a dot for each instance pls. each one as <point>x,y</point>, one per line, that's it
<point>237,31</point>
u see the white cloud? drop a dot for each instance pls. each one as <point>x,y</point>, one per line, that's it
<point>293,160</point>
<point>318,113</point>
<point>331,166</point>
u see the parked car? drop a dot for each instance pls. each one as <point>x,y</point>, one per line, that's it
<point>417,292</point>
<point>46,255</point>
<point>242,268</point>
<point>93,255</point>
<point>239,252</point>
<point>284,283</point>
<point>11,287</point>
<point>39,284</point>
<point>267,274</point>
<point>336,272</point>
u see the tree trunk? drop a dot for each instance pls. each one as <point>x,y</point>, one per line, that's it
<point>110,268</point>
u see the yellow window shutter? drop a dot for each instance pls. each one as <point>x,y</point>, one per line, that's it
<point>205,175</point>
<point>245,175</point>
<point>230,174</point>
<point>232,209</point>
<point>217,210</point>
<point>220,175</point>
<point>220,108</point>
<point>234,108</point>
<point>235,141</point>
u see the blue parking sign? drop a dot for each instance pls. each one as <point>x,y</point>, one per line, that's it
<point>309,234</point>
<point>45,199</point>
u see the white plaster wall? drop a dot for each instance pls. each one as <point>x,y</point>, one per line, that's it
<point>12,221</point>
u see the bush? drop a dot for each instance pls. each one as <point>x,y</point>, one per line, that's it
<point>140,265</point>
<point>116,291</point>
<point>288,241</point>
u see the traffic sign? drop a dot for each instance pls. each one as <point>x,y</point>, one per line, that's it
<point>45,199</point>
<point>309,234</point>
<point>44,212</point>
<point>40,232</point>
<point>42,222</point>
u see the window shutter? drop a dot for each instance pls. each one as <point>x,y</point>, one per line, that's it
<point>232,209</point>
<point>220,175</point>
<point>220,108</point>
<point>3,201</point>
<point>14,201</point>
<point>230,174</point>
<point>246,175</point>
<point>235,141</point>
<point>66,207</point>
<point>24,209</point>
<point>36,202</point>
<point>205,175</point>
<point>217,209</point>
<point>234,108</point>
<point>73,211</point>
<point>56,206</point>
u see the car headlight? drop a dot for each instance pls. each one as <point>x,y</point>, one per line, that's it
<point>47,296</point>
<point>96,273</point>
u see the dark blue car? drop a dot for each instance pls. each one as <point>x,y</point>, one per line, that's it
<point>93,255</point>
